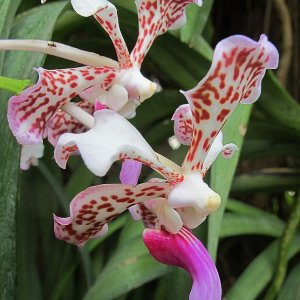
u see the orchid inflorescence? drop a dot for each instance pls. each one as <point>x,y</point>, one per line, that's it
<point>171,207</point>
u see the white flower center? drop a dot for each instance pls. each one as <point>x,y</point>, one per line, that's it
<point>193,197</point>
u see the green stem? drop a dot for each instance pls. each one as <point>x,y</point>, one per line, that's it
<point>285,241</point>
<point>15,86</point>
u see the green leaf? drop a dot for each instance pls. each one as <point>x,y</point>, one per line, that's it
<point>36,23</point>
<point>223,171</point>
<point>7,13</point>
<point>259,273</point>
<point>15,86</point>
<point>196,20</point>
<point>238,224</point>
<point>244,209</point>
<point>291,287</point>
<point>267,180</point>
<point>278,105</point>
<point>179,284</point>
<point>130,267</point>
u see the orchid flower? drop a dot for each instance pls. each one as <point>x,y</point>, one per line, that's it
<point>172,206</point>
<point>182,249</point>
<point>183,198</point>
<point>120,87</point>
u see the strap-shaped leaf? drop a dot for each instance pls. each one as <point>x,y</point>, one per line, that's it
<point>37,23</point>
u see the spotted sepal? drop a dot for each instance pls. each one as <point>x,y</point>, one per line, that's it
<point>183,124</point>
<point>238,67</point>
<point>155,18</point>
<point>112,138</point>
<point>29,112</point>
<point>62,122</point>
<point>108,19</point>
<point>94,207</point>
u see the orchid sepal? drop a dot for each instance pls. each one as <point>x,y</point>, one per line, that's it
<point>155,18</point>
<point>29,112</point>
<point>235,76</point>
<point>94,207</point>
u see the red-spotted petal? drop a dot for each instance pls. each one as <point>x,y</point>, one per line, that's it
<point>183,124</point>
<point>91,209</point>
<point>183,129</point>
<point>112,138</point>
<point>108,19</point>
<point>186,251</point>
<point>155,18</point>
<point>29,112</point>
<point>62,122</point>
<point>238,67</point>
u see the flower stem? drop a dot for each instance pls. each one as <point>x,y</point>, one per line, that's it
<point>285,241</point>
<point>79,114</point>
<point>59,50</point>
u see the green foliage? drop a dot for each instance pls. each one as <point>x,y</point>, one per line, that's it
<point>28,25</point>
<point>118,266</point>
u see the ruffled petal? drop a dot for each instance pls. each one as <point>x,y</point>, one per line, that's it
<point>183,124</point>
<point>112,138</point>
<point>155,18</point>
<point>186,251</point>
<point>29,112</point>
<point>130,172</point>
<point>91,209</point>
<point>62,122</point>
<point>30,155</point>
<point>238,67</point>
<point>108,19</point>
<point>87,8</point>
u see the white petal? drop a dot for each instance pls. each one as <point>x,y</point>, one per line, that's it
<point>191,218</point>
<point>136,84</point>
<point>87,8</point>
<point>115,98</point>
<point>194,199</point>
<point>167,216</point>
<point>215,149</point>
<point>30,155</point>
<point>112,138</point>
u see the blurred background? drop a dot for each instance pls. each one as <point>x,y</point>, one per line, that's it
<point>254,237</point>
